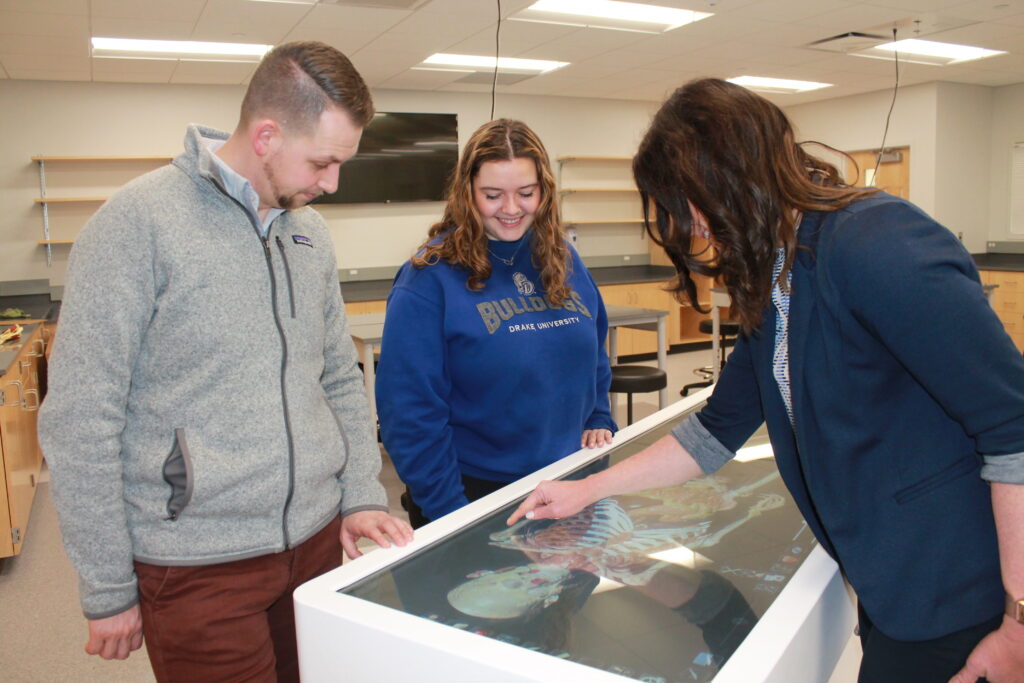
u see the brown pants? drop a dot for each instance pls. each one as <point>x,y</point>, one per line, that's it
<point>233,621</point>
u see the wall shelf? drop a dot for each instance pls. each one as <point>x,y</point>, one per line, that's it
<point>68,200</point>
<point>572,190</point>
<point>44,201</point>
<point>589,157</point>
<point>627,221</point>
<point>73,159</point>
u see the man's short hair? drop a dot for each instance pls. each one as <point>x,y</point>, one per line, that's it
<point>296,82</point>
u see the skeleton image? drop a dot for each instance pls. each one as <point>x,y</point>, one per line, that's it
<point>508,593</point>
<point>616,544</point>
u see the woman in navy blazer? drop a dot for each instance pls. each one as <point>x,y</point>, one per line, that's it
<point>893,397</point>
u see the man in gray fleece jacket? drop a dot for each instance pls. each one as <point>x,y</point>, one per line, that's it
<point>206,425</point>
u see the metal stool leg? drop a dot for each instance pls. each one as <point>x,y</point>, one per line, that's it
<point>629,408</point>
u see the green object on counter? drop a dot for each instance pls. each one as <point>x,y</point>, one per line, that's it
<point>14,313</point>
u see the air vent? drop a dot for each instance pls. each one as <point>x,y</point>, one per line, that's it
<point>849,42</point>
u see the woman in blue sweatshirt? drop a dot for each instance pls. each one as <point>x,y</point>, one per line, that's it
<point>492,363</point>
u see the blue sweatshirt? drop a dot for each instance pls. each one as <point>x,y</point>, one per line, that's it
<point>494,384</point>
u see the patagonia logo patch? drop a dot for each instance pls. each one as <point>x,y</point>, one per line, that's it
<point>302,239</point>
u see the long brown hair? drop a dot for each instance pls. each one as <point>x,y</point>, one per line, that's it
<point>459,236</point>
<point>733,155</point>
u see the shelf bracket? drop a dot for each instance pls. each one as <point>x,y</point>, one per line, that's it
<point>46,212</point>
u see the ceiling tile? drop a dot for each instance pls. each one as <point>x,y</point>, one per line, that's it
<point>781,11</point>
<point>150,29</point>
<point>376,67</point>
<point>483,44</point>
<point>349,42</point>
<point>212,72</point>
<point>39,24</point>
<point>43,45</point>
<point>853,18</point>
<point>247,22</point>
<point>47,6</point>
<point>133,70</point>
<point>565,52</point>
<point>420,80</point>
<point>353,19</point>
<point>45,75</point>
<point>154,10</point>
<point>47,62</point>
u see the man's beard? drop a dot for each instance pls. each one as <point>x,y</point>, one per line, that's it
<point>284,201</point>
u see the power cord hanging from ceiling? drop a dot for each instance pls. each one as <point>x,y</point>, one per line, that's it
<point>497,51</point>
<point>881,150</point>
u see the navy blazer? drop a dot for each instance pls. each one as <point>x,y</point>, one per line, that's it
<point>902,377</point>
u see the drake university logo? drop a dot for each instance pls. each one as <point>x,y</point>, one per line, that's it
<point>523,285</point>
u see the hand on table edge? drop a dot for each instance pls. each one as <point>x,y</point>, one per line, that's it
<point>595,438</point>
<point>376,525</point>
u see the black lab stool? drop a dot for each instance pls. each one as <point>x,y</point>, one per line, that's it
<point>636,379</point>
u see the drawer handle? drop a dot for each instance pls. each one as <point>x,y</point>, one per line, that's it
<point>24,401</point>
<point>21,396</point>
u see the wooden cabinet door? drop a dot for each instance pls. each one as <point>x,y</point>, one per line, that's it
<point>629,342</point>
<point>1008,301</point>
<point>363,307</point>
<point>21,454</point>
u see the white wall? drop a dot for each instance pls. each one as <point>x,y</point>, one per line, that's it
<point>962,161</point>
<point>59,118</point>
<point>1007,128</point>
<point>857,123</point>
<point>960,139</point>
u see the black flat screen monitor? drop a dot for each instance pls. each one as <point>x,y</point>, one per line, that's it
<point>402,158</point>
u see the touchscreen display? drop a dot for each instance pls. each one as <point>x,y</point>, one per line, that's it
<point>660,585</point>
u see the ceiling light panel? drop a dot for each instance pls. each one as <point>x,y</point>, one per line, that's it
<point>777,85</point>
<point>484,63</point>
<point>131,48</point>
<point>927,52</point>
<point>609,14</point>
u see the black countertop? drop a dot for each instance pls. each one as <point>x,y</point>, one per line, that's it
<point>38,306</point>
<point>374,290</point>
<point>999,261</point>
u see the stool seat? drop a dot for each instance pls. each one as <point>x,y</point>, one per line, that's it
<point>636,379</point>
<point>727,328</point>
<point>633,379</point>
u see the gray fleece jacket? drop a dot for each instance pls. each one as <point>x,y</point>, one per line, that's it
<point>204,401</point>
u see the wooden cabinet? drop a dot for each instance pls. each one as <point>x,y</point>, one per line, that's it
<point>1008,301</point>
<point>19,446</point>
<point>363,307</point>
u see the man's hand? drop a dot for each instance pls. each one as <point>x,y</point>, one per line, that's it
<point>999,657</point>
<point>594,438</point>
<point>375,525</point>
<point>554,500</point>
<point>117,636</point>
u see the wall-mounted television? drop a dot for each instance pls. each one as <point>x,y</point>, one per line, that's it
<point>402,158</point>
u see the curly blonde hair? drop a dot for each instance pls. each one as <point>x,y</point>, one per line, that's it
<point>459,237</point>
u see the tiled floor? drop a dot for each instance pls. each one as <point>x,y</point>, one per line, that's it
<point>43,634</point>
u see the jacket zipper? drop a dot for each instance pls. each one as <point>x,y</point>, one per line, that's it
<point>287,273</point>
<point>284,393</point>
<point>284,363</point>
